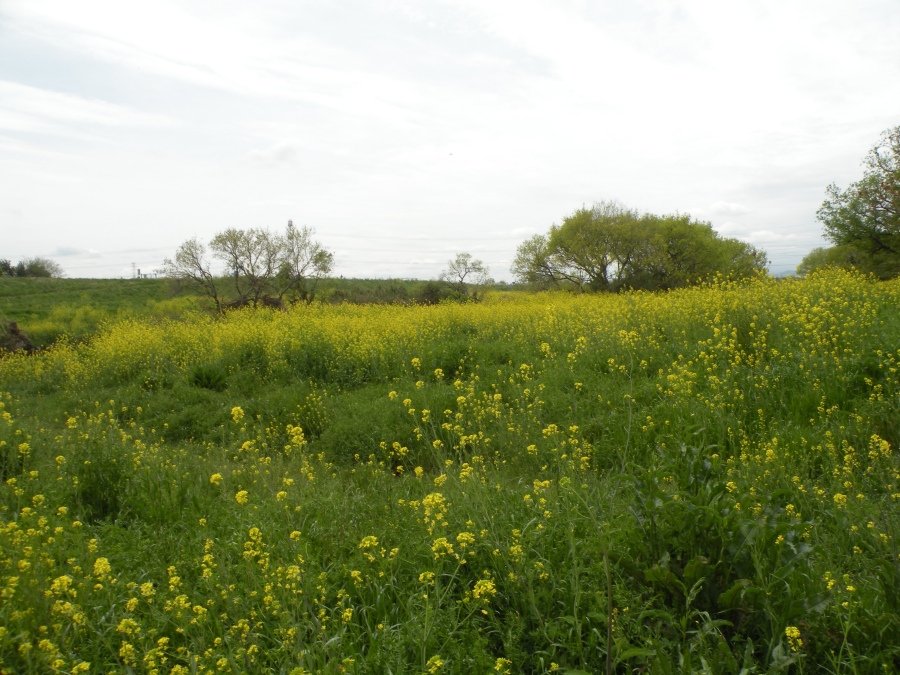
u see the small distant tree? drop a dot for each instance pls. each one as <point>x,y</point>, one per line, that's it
<point>31,267</point>
<point>467,275</point>
<point>48,268</point>
<point>303,262</point>
<point>262,267</point>
<point>191,264</point>
<point>251,258</point>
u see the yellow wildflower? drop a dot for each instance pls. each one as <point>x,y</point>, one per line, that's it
<point>101,568</point>
<point>794,640</point>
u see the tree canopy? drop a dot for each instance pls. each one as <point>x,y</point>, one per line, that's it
<point>863,221</point>
<point>844,256</point>
<point>609,247</point>
<point>262,267</point>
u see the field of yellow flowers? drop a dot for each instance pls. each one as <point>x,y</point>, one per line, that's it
<point>699,481</point>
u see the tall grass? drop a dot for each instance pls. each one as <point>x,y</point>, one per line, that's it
<point>703,480</point>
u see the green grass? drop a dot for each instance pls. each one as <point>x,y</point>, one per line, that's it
<point>48,309</point>
<point>700,481</point>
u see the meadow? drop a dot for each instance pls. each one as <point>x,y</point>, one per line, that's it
<point>50,309</point>
<point>704,480</point>
<point>54,309</point>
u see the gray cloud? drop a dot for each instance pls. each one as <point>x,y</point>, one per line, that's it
<point>69,251</point>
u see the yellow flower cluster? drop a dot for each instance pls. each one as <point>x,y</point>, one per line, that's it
<point>475,489</point>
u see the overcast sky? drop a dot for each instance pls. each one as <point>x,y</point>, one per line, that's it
<point>404,132</point>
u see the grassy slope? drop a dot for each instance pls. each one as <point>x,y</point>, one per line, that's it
<point>47,309</point>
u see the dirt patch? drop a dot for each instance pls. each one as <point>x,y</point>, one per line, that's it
<point>12,339</point>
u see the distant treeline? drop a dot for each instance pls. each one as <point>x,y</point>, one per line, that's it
<point>337,290</point>
<point>30,267</point>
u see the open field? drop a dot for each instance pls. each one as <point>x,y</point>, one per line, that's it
<point>50,309</point>
<point>704,480</point>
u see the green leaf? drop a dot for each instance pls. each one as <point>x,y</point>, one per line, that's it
<point>660,576</point>
<point>636,653</point>
<point>696,569</point>
<point>741,595</point>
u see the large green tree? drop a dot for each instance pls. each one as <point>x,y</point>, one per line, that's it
<point>609,247</point>
<point>865,217</point>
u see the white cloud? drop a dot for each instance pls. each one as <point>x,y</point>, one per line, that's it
<point>26,111</point>
<point>722,209</point>
<point>33,109</point>
<point>433,121</point>
<point>769,236</point>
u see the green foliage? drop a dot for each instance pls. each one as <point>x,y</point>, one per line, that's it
<point>387,292</point>
<point>844,256</point>
<point>262,268</point>
<point>12,461</point>
<point>612,248</point>
<point>209,376</point>
<point>47,310</point>
<point>698,481</point>
<point>432,293</point>
<point>31,267</point>
<point>467,275</point>
<point>866,216</point>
